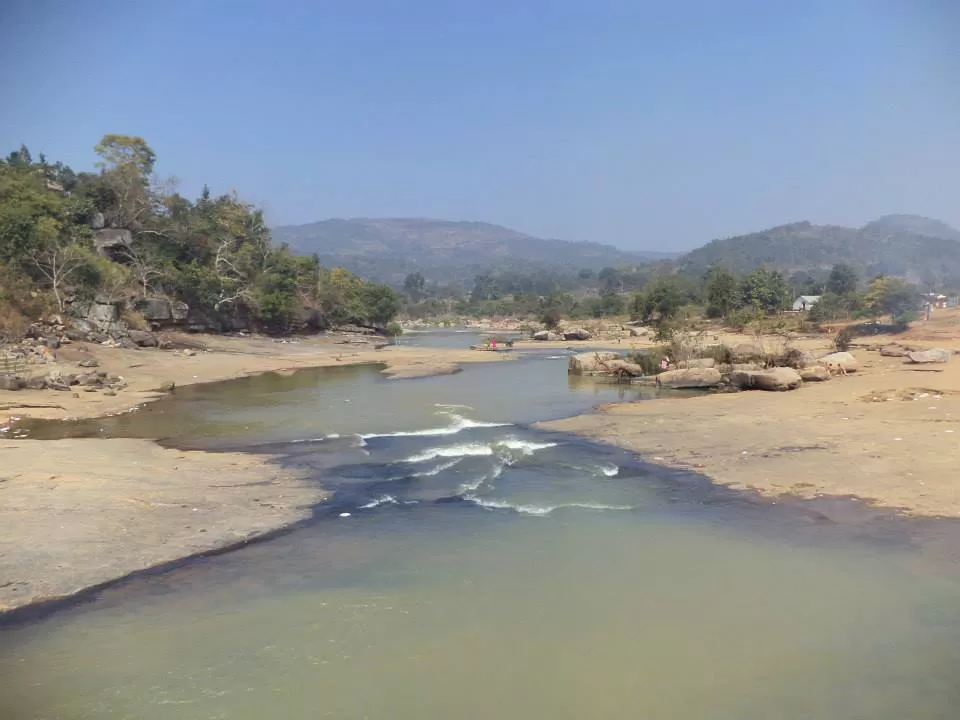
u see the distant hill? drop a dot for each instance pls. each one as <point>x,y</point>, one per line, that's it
<point>444,251</point>
<point>923,250</point>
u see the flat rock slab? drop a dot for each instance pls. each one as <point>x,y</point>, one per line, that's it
<point>693,378</point>
<point>78,513</point>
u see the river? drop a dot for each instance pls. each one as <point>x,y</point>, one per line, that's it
<point>468,566</point>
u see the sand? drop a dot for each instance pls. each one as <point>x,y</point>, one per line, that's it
<point>888,434</point>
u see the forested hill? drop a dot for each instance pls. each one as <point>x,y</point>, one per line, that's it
<point>389,249</point>
<point>923,250</point>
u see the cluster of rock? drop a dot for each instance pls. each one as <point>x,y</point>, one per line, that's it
<point>706,373</point>
<point>914,355</point>
<point>573,334</point>
<point>89,379</point>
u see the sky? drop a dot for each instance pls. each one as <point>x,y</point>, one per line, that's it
<point>647,125</point>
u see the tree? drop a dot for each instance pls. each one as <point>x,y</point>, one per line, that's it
<point>118,151</point>
<point>894,297</point>
<point>414,285</point>
<point>58,261</point>
<point>585,274</point>
<point>381,304</point>
<point>764,290</point>
<point>723,293</point>
<point>843,280</point>
<point>609,279</point>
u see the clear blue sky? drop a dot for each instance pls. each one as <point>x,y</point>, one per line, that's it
<point>655,125</point>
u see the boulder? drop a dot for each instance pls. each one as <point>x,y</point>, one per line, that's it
<point>576,334</point>
<point>777,379</point>
<point>622,368</point>
<point>583,363</point>
<point>698,363</point>
<point>798,359</point>
<point>89,363</point>
<point>692,378</point>
<point>144,338</point>
<point>639,332</point>
<point>155,309</point>
<point>179,311</point>
<point>840,359</point>
<point>773,379</point>
<point>36,383</point>
<point>937,355</point>
<point>102,315</point>
<point>109,241</point>
<point>814,373</point>
<point>97,221</point>
<point>542,335</point>
<point>11,382</point>
<point>894,351</point>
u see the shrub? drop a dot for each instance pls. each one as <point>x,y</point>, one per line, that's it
<point>649,359</point>
<point>844,338</point>
<point>393,329</point>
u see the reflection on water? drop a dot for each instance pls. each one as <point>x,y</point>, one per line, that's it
<point>468,567</point>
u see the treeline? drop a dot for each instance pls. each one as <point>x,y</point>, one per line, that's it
<point>117,235</point>
<point>659,297</point>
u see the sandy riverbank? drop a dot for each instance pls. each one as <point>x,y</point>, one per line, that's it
<point>889,434</point>
<point>77,513</point>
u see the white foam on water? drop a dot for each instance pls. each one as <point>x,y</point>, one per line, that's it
<point>610,470</point>
<point>451,451</point>
<point>453,406</point>
<point>538,510</point>
<point>382,500</point>
<point>459,424</point>
<point>438,469</point>
<point>331,436</point>
<point>469,487</point>
<point>525,446</point>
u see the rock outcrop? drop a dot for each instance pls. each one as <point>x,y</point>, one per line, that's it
<point>840,359</point>
<point>814,373</point>
<point>772,379</point>
<point>692,378</point>
<point>924,357</point>
<point>547,335</point>
<point>591,362</point>
<point>577,334</point>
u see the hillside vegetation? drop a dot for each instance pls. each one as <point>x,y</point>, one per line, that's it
<point>446,252</point>
<point>116,238</point>
<point>921,250</point>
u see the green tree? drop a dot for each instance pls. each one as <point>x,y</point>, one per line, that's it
<point>843,280</point>
<point>894,297</point>
<point>764,290</point>
<point>723,292</point>
<point>118,151</point>
<point>381,304</point>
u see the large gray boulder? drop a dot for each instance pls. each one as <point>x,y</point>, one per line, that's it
<point>546,335</point>
<point>639,332</point>
<point>814,373</point>
<point>924,357</point>
<point>894,351</point>
<point>698,363</point>
<point>179,311</point>
<point>102,316</point>
<point>143,338</point>
<point>110,241</point>
<point>584,363</point>
<point>155,309</point>
<point>840,359</point>
<point>772,379</point>
<point>692,378</point>
<point>577,334</point>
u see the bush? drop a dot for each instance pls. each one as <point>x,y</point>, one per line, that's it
<point>650,359</point>
<point>393,329</point>
<point>844,338</point>
<point>722,354</point>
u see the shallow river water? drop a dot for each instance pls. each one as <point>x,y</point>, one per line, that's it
<point>468,566</point>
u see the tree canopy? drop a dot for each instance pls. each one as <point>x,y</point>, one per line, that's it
<point>120,233</point>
